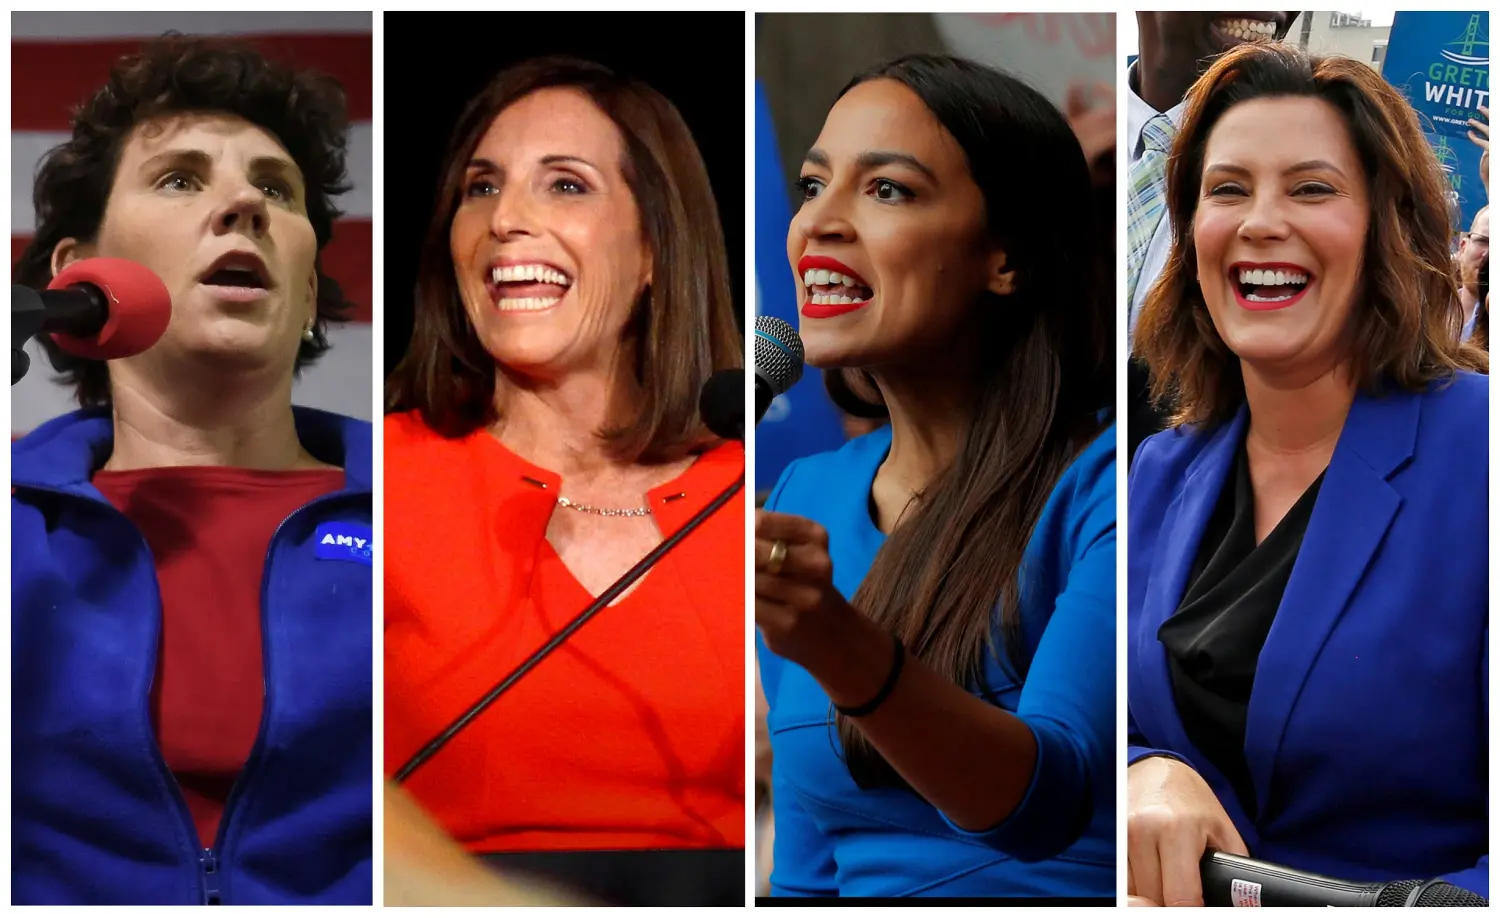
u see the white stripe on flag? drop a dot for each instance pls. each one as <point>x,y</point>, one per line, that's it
<point>28,147</point>
<point>74,27</point>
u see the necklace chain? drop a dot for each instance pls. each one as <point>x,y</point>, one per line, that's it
<point>602,511</point>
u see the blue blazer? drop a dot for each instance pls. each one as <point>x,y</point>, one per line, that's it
<point>96,817</point>
<point>834,839</point>
<point>1367,735</point>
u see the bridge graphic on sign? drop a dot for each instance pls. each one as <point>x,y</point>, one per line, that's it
<point>1473,47</point>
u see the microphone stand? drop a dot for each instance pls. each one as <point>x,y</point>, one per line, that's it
<point>27,315</point>
<point>557,640</point>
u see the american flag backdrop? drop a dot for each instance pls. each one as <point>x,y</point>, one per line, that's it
<point>59,58</point>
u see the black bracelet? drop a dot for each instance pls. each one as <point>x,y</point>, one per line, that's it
<point>869,707</point>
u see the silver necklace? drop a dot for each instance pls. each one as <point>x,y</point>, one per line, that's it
<point>602,511</point>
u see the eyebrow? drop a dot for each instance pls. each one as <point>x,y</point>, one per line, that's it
<point>873,159</point>
<point>1307,165</point>
<point>551,159</point>
<point>200,159</point>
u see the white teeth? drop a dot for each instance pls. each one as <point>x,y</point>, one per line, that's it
<point>1255,298</point>
<point>514,274</point>
<point>525,304</point>
<point>1267,278</point>
<point>822,276</point>
<point>808,277</point>
<point>835,278</point>
<point>1247,29</point>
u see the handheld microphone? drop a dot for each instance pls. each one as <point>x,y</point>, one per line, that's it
<point>778,361</point>
<point>1239,881</point>
<point>98,308</point>
<point>594,608</point>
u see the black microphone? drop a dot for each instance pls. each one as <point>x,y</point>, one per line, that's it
<point>1239,881</point>
<point>721,404</point>
<point>778,361</point>
<point>594,608</point>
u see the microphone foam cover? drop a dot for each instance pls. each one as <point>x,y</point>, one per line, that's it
<point>139,307</point>
<point>778,353</point>
<point>722,404</point>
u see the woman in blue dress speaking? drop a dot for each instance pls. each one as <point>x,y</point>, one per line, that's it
<point>947,583</point>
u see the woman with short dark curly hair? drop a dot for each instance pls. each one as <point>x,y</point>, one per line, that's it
<point>191,591</point>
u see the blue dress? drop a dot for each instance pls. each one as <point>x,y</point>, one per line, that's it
<point>835,839</point>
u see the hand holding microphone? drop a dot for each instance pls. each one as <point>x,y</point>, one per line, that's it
<point>1172,818</point>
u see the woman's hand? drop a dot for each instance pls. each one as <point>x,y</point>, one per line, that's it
<point>1172,818</point>
<point>797,608</point>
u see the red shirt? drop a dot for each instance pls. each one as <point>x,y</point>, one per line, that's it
<point>209,530</point>
<point>632,734</point>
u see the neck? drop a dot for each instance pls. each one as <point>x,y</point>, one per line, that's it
<point>1159,85</point>
<point>930,414</point>
<point>1468,301</point>
<point>555,424</point>
<point>1293,416</point>
<point>202,424</point>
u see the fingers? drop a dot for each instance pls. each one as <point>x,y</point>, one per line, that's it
<point>793,530</point>
<point>1226,838</point>
<point>1145,872</point>
<point>1180,853</point>
<point>786,592</point>
<point>803,562</point>
<point>1139,901</point>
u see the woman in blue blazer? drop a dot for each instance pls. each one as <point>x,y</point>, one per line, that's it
<point>1308,564</point>
<point>936,600</point>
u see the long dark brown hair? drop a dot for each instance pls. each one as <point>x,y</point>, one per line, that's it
<point>1408,322</point>
<point>683,329</point>
<point>945,576</point>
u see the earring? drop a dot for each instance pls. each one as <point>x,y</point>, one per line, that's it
<point>307,333</point>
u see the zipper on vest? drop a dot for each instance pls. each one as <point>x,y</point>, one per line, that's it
<point>208,874</point>
<point>209,859</point>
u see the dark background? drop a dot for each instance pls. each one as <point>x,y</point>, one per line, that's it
<point>435,62</point>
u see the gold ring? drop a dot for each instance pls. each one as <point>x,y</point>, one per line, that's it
<point>778,557</point>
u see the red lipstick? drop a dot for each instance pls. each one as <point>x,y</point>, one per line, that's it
<point>828,310</point>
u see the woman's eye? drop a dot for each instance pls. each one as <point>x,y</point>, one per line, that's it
<point>569,186</point>
<point>1226,189</point>
<point>1312,188</point>
<point>810,186</point>
<point>276,190</point>
<point>479,187</point>
<point>178,181</point>
<point>887,190</point>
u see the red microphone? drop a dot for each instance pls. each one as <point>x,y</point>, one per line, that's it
<point>106,308</point>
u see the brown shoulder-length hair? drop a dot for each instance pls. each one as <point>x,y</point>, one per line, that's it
<point>948,580</point>
<point>683,330</point>
<point>304,110</point>
<point>1407,324</point>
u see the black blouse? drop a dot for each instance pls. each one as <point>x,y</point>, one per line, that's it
<point>1214,639</point>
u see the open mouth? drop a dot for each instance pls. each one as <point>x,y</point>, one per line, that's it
<point>1237,28</point>
<point>832,287</point>
<point>530,287</point>
<point>238,276</point>
<point>1269,286</point>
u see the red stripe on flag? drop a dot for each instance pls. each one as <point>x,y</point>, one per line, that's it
<point>349,258</point>
<point>50,79</point>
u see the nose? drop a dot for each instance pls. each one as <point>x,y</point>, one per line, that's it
<point>243,211</point>
<point>824,218</point>
<point>514,215</point>
<point>1264,220</point>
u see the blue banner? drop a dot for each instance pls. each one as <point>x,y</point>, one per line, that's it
<point>803,421</point>
<point>1441,61</point>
